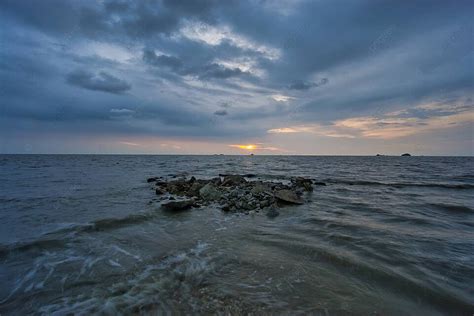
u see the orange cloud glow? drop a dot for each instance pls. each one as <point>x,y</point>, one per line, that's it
<point>251,147</point>
<point>390,125</point>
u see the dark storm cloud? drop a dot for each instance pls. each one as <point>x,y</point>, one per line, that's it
<point>221,112</point>
<point>171,62</point>
<point>225,105</point>
<point>184,57</point>
<point>136,19</point>
<point>203,72</point>
<point>215,71</point>
<point>301,85</point>
<point>55,16</point>
<point>100,82</point>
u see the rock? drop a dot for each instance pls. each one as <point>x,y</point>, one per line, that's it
<point>159,183</point>
<point>194,189</point>
<point>209,192</point>
<point>153,179</point>
<point>233,194</point>
<point>233,180</point>
<point>259,188</point>
<point>236,193</point>
<point>288,196</point>
<point>406,155</point>
<point>304,183</point>
<point>216,181</point>
<point>266,202</point>
<point>319,183</point>
<point>177,206</point>
<point>179,187</point>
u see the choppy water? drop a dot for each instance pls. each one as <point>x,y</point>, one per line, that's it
<point>387,235</point>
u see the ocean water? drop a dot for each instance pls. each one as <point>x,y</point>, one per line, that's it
<point>84,234</point>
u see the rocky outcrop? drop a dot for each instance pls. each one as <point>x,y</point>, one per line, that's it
<point>232,193</point>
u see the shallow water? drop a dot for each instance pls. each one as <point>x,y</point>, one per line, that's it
<point>387,235</point>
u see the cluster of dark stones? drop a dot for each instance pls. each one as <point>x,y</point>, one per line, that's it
<point>232,193</point>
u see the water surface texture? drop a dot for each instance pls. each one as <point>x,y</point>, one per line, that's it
<point>388,235</point>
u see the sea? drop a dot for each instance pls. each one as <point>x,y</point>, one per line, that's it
<point>85,234</point>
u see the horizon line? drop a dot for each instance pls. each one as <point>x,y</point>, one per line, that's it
<point>236,155</point>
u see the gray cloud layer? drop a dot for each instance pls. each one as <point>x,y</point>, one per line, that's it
<point>165,66</point>
<point>100,82</point>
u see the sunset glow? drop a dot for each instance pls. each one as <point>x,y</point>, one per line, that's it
<point>246,147</point>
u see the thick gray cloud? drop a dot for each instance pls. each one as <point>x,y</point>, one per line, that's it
<point>279,64</point>
<point>221,112</point>
<point>204,72</point>
<point>171,62</point>
<point>301,85</point>
<point>100,82</point>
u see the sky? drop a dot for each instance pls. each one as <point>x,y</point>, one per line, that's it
<point>237,77</point>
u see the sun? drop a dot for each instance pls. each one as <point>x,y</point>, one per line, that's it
<point>246,146</point>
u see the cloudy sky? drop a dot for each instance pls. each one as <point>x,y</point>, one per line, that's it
<point>268,77</point>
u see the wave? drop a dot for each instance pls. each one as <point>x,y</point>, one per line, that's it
<point>149,289</point>
<point>400,184</point>
<point>392,279</point>
<point>28,245</point>
<point>362,182</point>
<point>453,208</point>
<point>58,238</point>
<point>111,223</point>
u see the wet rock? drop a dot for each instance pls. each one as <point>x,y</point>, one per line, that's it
<point>153,179</point>
<point>194,189</point>
<point>259,188</point>
<point>233,194</point>
<point>233,180</point>
<point>177,206</point>
<point>288,196</point>
<point>209,192</point>
<point>160,183</point>
<point>304,183</point>
<point>318,183</point>
<point>216,181</point>
<point>178,187</point>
